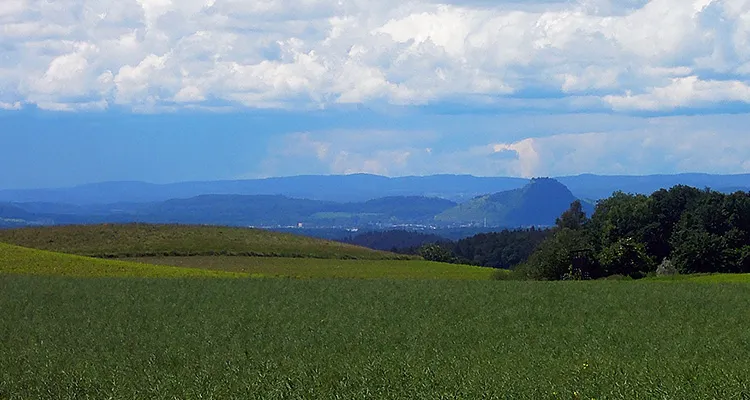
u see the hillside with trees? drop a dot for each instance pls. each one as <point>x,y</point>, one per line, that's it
<point>683,229</point>
<point>504,249</point>
<point>536,204</point>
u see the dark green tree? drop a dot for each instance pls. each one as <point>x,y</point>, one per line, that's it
<point>573,218</point>
<point>626,257</point>
<point>697,250</point>
<point>567,253</point>
<point>665,208</point>
<point>436,252</point>
<point>620,216</point>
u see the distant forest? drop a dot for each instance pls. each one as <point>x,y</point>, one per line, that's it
<point>504,249</point>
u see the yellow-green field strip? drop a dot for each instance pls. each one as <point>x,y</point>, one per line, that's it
<point>321,268</point>
<point>24,261</point>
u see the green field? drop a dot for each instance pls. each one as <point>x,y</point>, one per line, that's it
<point>423,330</point>
<point>705,278</point>
<point>322,268</point>
<point>20,260</point>
<point>66,338</point>
<point>136,240</point>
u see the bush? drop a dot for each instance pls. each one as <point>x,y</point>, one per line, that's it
<point>626,257</point>
<point>666,268</point>
<point>565,255</point>
<point>436,252</point>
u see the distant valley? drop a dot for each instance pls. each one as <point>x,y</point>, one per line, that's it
<point>331,206</point>
<point>363,187</point>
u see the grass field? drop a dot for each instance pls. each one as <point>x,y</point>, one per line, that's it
<point>321,268</point>
<point>20,260</point>
<point>705,278</point>
<point>68,338</point>
<point>135,240</point>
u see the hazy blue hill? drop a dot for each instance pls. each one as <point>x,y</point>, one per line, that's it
<point>242,210</point>
<point>12,216</point>
<point>363,187</point>
<point>339,188</point>
<point>8,210</point>
<point>232,210</point>
<point>538,203</point>
<point>405,208</point>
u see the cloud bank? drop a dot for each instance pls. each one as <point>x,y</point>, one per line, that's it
<point>649,146</point>
<point>622,56</point>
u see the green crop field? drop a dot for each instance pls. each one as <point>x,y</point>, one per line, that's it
<point>134,240</point>
<point>20,260</point>
<point>705,278</point>
<point>322,268</point>
<point>114,338</point>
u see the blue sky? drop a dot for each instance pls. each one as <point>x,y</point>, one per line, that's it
<point>167,90</point>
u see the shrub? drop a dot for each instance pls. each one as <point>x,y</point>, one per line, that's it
<point>435,252</point>
<point>626,257</point>
<point>666,268</point>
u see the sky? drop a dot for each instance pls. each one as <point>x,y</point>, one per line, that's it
<point>181,90</point>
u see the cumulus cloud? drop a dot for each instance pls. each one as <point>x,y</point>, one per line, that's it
<point>624,55</point>
<point>684,92</point>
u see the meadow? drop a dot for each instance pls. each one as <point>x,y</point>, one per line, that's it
<point>325,268</point>
<point>149,240</point>
<point>124,338</point>
<point>75,327</point>
<point>25,261</point>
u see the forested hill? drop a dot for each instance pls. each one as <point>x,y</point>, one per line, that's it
<point>237,210</point>
<point>536,204</point>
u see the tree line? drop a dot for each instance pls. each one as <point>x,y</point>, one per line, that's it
<point>678,230</point>
<point>683,229</point>
<point>503,249</point>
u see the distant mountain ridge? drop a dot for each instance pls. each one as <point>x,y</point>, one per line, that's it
<point>239,210</point>
<point>363,187</point>
<point>338,188</point>
<point>536,204</point>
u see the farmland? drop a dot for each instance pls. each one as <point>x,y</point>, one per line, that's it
<point>325,268</point>
<point>79,327</point>
<point>267,338</point>
<point>20,260</point>
<point>135,240</point>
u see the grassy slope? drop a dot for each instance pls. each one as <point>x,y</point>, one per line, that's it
<point>322,339</point>
<point>133,240</point>
<point>319,268</point>
<point>20,260</point>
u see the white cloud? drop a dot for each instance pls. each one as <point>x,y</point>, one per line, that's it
<point>683,92</point>
<point>632,54</point>
<point>10,8</point>
<point>10,106</point>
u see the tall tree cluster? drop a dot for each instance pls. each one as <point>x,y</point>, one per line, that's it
<point>696,230</point>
